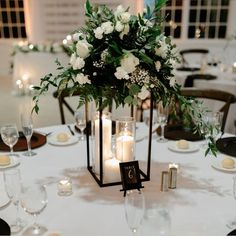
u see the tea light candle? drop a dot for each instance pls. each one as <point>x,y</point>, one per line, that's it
<point>234,67</point>
<point>112,170</point>
<point>173,165</point>
<point>64,187</point>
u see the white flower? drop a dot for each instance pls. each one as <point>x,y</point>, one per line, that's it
<point>119,10</point>
<point>57,47</point>
<point>158,65</point>
<point>125,31</point>
<point>98,32</point>
<point>129,62</point>
<point>163,48</point>
<point>73,58</point>
<point>172,81</point>
<point>104,55</point>
<point>124,17</point>
<point>121,73</point>
<point>144,93</point>
<point>82,79</point>
<point>76,36</point>
<point>107,27</point>
<point>79,63</point>
<point>119,26</point>
<point>41,47</point>
<point>148,23</point>
<point>48,48</point>
<point>82,48</point>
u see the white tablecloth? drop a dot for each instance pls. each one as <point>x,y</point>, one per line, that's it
<point>226,81</point>
<point>202,204</point>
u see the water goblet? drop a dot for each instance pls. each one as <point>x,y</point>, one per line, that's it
<point>162,117</point>
<point>134,209</point>
<point>9,134</point>
<point>27,127</point>
<point>34,201</point>
<point>80,122</point>
<point>12,182</point>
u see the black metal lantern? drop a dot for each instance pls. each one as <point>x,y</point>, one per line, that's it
<point>98,175</point>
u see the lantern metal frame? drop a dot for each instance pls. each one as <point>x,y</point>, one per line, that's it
<point>145,176</point>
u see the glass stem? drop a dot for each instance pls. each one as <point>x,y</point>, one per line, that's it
<point>11,149</point>
<point>28,144</point>
<point>17,213</point>
<point>162,131</point>
<point>35,225</point>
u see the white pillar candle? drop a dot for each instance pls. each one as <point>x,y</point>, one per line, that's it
<point>173,165</point>
<point>125,147</point>
<point>106,142</point>
<point>64,187</point>
<point>112,170</point>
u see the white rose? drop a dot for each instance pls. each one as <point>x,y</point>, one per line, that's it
<point>82,79</point>
<point>172,81</point>
<point>129,62</point>
<point>79,63</point>
<point>76,36</point>
<point>161,51</point>
<point>119,10</point>
<point>98,32</point>
<point>82,48</point>
<point>119,26</point>
<point>158,65</point>
<point>125,17</point>
<point>104,54</point>
<point>73,58</point>
<point>125,31</point>
<point>121,73</point>
<point>107,27</point>
<point>144,93</point>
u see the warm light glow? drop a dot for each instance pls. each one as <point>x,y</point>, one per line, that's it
<point>234,64</point>
<point>173,165</point>
<point>68,37</point>
<point>31,87</point>
<point>18,82</point>
<point>172,24</point>
<point>25,77</point>
<point>64,41</point>
<point>31,46</point>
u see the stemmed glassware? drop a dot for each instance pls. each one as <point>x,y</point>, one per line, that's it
<point>162,117</point>
<point>134,209</point>
<point>80,122</point>
<point>27,127</point>
<point>10,135</point>
<point>13,188</point>
<point>34,201</point>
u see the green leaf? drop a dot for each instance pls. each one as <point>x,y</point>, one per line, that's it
<point>88,8</point>
<point>134,89</point>
<point>128,100</point>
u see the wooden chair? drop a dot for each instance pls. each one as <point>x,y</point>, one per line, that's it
<point>195,51</point>
<point>64,104</point>
<point>212,94</point>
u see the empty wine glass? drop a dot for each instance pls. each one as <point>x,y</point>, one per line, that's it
<point>34,201</point>
<point>232,224</point>
<point>162,116</point>
<point>80,122</point>
<point>27,127</point>
<point>9,134</point>
<point>134,209</point>
<point>13,188</point>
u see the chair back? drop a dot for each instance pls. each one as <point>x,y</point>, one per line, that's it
<point>187,55</point>
<point>212,94</point>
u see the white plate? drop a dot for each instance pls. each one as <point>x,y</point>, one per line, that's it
<point>14,162</point>
<point>52,139</point>
<point>172,145</point>
<point>218,166</point>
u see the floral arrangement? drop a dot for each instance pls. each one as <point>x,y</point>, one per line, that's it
<point>122,58</point>
<point>119,57</point>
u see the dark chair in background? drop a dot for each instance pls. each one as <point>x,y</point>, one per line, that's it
<point>217,95</point>
<point>192,51</point>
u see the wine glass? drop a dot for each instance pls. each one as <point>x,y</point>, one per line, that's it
<point>34,201</point>
<point>10,135</point>
<point>134,209</point>
<point>12,181</point>
<point>162,116</point>
<point>27,127</point>
<point>232,224</point>
<point>80,122</point>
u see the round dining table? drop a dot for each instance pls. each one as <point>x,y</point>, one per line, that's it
<point>202,203</point>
